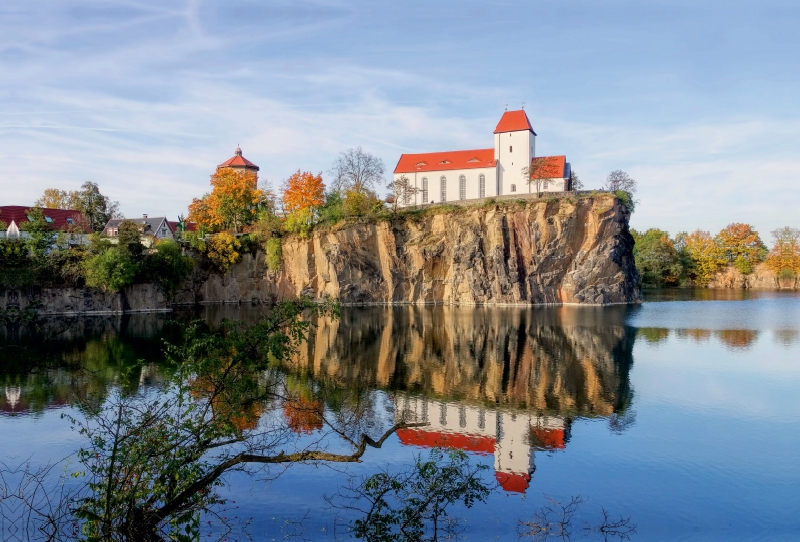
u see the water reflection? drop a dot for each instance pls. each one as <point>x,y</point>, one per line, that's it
<point>502,382</point>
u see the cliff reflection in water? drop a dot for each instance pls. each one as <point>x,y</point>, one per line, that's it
<point>497,381</point>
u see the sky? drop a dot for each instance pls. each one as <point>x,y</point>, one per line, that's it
<point>696,100</point>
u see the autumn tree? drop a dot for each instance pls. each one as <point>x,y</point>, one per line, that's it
<point>704,255</point>
<point>304,190</point>
<point>53,198</point>
<point>784,258</point>
<point>538,172</point>
<point>741,246</point>
<point>358,171</point>
<point>233,202</point>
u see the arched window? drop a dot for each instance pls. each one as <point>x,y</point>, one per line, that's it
<point>482,182</point>
<point>513,188</point>
<point>424,190</point>
<point>462,187</point>
<point>443,182</point>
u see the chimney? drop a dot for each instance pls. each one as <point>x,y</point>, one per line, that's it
<point>144,216</point>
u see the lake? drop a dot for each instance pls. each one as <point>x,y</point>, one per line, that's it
<point>682,413</point>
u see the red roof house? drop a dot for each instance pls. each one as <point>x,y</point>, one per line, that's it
<point>59,219</point>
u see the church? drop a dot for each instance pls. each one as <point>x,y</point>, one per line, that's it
<point>484,173</point>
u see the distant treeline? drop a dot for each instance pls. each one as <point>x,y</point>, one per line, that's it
<point>692,259</point>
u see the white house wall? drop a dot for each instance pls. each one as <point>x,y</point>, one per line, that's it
<point>453,184</point>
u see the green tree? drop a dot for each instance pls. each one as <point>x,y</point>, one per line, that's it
<point>97,208</point>
<point>111,270</point>
<point>168,266</point>
<point>704,256</point>
<point>129,239</point>
<point>41,236</point>
<point>656,258</point>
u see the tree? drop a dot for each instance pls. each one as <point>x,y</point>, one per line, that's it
<point>155,463</point>
<point>97,208</point>
<point>623,186</point>
<point>41,237</point>
<point>575,182</point>
<point>233,202</point>
<point>223,251</point>
<point>704,255</point>
<point>357,170</point>
<point>129,239</point>
<point>402,191</point>
<point>539,172</point>
<point>53,198</point>
<point>784,258</point>
<point>304,190</point>
<point>741,246</point>
<point>656,258</point>
<point>111,270</point>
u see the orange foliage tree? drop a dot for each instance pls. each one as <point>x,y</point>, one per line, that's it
<point>304,190</point>
<point>784,258</point>
<point>741,245</point>
<point>233,202</point>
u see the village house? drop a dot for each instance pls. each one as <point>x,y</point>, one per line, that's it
<point>157,227</point>
<point>64,220</point>
<point>483,173</point>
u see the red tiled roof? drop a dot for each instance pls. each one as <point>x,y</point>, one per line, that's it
<point>513,481</point>
<point>554,167</point>
<point>513,121</point>
<point>444,161</point>
<point>190,226</point>
<point>436,439</point>
<point>19,214</point>
<point>239,161</point>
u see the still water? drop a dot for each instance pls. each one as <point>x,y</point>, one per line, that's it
<point>682,413</point>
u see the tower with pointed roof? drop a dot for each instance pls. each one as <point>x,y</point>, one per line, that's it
<point>514,147</point>
<point>239,163</point>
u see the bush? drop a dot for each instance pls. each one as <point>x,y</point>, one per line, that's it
<point>273,254</point>
<point>112,270</point>
<point>299,222</point>
<point>223,251</point>
<point>626,199</point>
<point>333,209</point>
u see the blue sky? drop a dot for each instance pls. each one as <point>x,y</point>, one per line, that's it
<point>696,100</point>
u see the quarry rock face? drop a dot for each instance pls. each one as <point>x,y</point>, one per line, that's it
<point>534,252</point>
<point>762,278</point>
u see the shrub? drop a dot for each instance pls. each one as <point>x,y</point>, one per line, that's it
<point>112,270</point>
<point>223,251</point>
<point>169,267</point>
<point>299,222</point>
<point>626,199</point>
<point>273,253</point>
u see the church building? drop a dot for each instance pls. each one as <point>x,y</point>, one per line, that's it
<point>484,173</point>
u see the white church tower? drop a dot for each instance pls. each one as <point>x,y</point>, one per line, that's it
<point>514,148</point>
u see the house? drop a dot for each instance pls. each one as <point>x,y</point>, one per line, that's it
<point>512,436</point>
<point>157,227</point>
<point>484,173</point>
<point>66,220</point>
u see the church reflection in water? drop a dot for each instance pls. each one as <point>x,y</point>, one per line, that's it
<point>495,381</point>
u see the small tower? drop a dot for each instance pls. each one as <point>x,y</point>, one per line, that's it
<point>514,148</point>
<point>239,163</point>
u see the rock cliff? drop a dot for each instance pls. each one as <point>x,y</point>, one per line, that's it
<point>531,252</point>
<point>762,278</point>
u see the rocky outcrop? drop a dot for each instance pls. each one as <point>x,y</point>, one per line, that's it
<point>762,278</point>
<point>536,252</point>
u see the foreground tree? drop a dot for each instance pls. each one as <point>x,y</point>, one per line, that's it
<point>154,464</point>
<point>741,246</point>
<point>234,202</point>
<point>784,258</point>
<point>358,171</point>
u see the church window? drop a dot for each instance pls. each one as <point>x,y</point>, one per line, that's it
<point>513,188</point>
<point>511,148</point>
<point>482,182</point>
<point>462,187</point>
<point>424,190</point>
<point>443,183</point>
